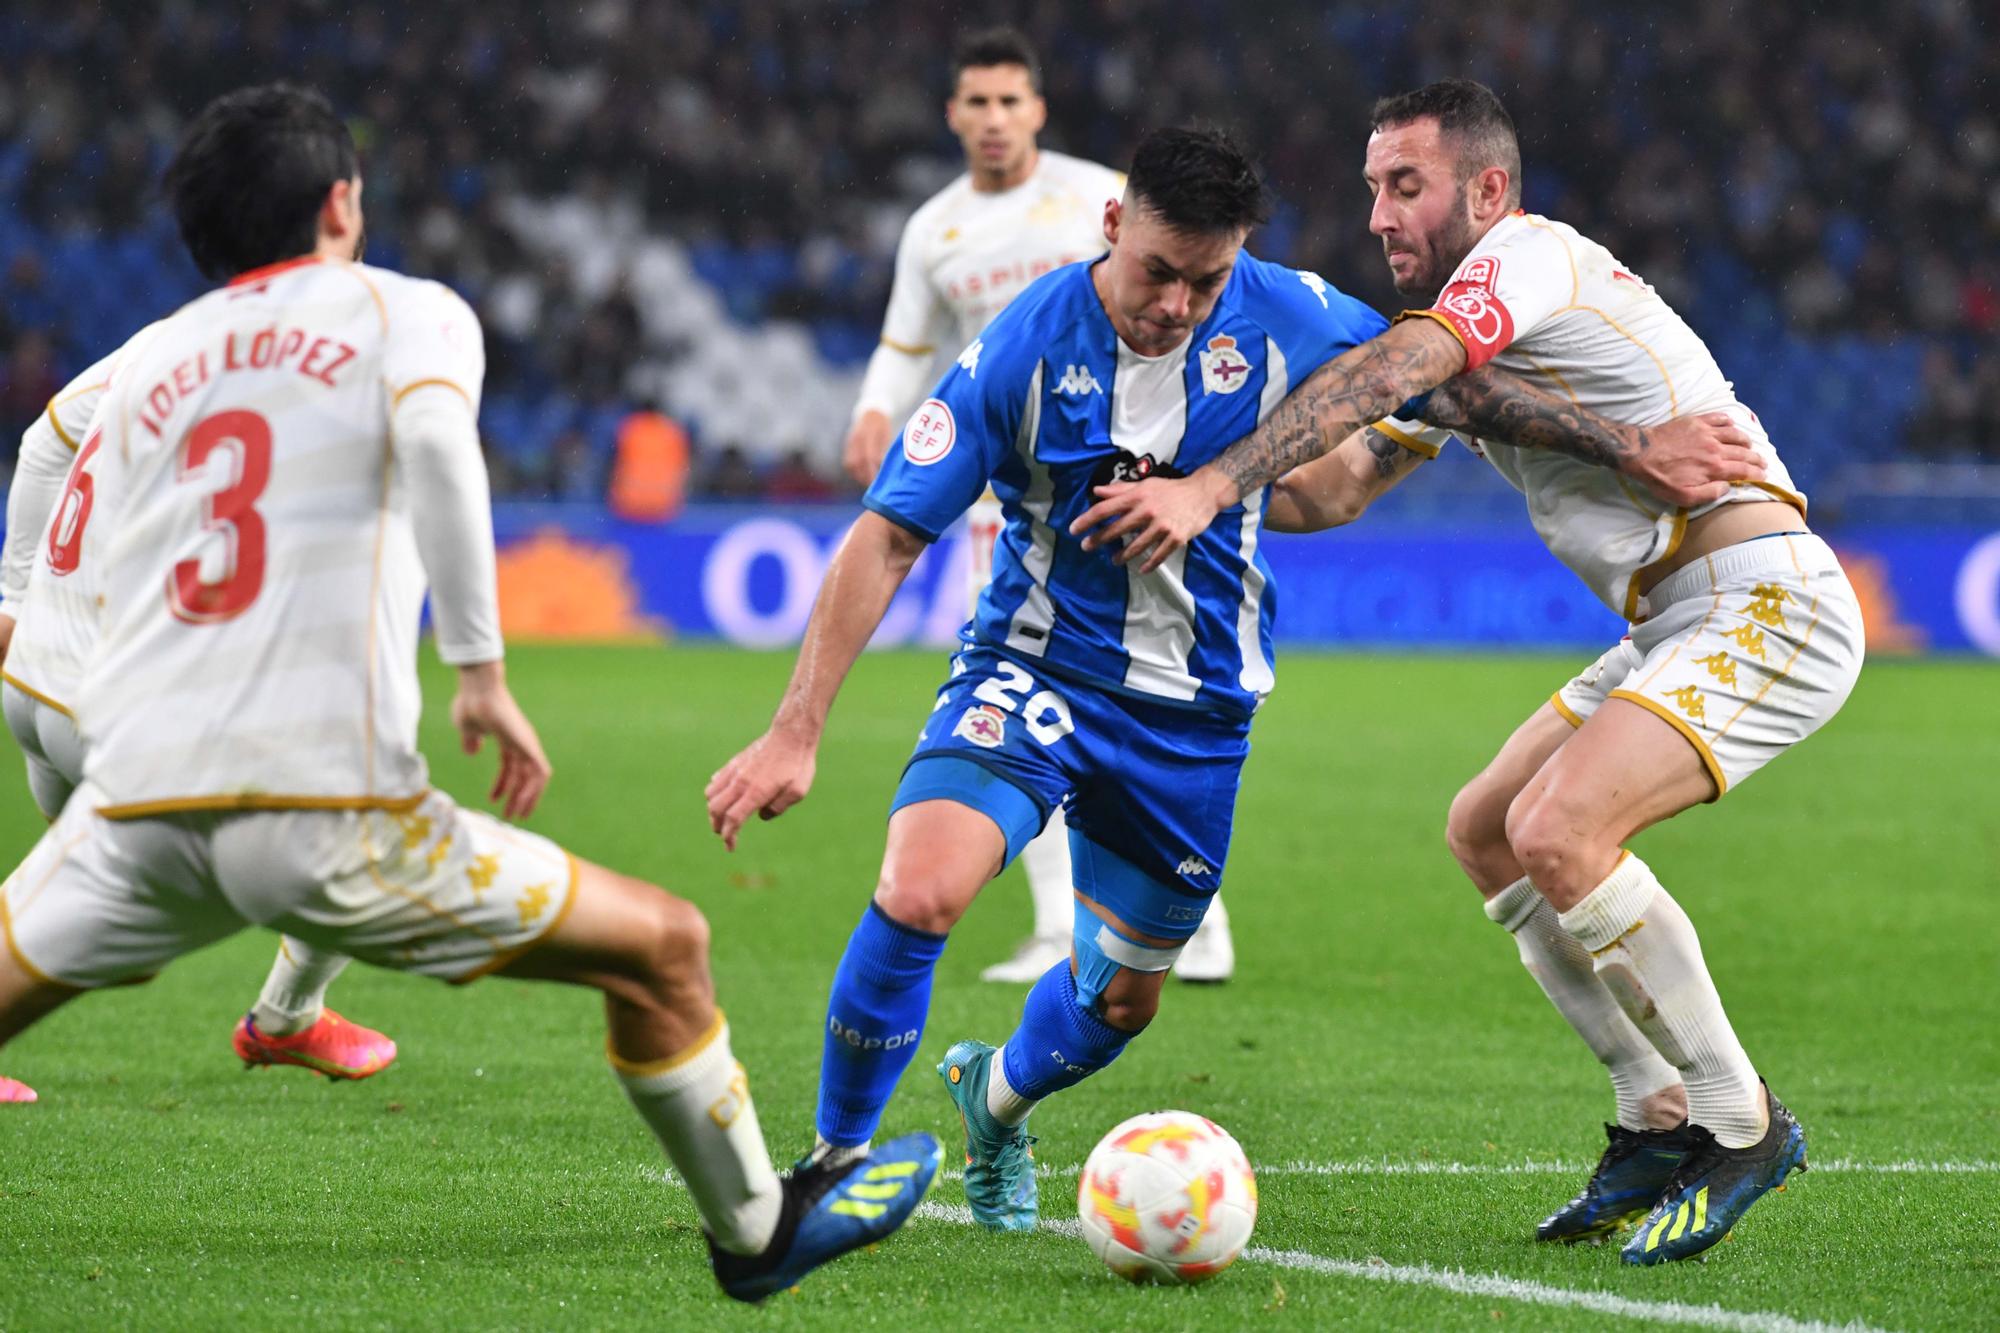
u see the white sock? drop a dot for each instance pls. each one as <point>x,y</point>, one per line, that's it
<point>1217,916</point>
<point>1562,968</point>
<point>1045,860</point>
<point>698,1106</point>
<point>1645,949</point>
<point>828,1154</point>
<point>1002,1102</point>
<point>295,992</point>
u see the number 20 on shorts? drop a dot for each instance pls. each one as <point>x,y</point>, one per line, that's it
<point>1045,713</point>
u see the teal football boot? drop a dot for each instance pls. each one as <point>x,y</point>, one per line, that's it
<point>829,1210</point>
<point>1714,1187</point>
<point>999,1160</point>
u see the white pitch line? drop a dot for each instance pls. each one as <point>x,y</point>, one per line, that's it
<point>1837,1165</point>
<point>1495,1286</point>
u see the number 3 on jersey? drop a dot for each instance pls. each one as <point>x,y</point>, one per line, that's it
<point>230,513</point>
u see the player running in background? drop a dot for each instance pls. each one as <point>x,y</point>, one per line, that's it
<point>1018,212</point>
<point>48,626</point>
<point>1125,696</point>
<point>250,708</point>
<point>1745,639</point>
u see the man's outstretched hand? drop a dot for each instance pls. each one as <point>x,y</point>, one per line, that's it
<point>1693,460</point>
<point>1153,518</point>
<point>484,707</point>
<point>768,777</point>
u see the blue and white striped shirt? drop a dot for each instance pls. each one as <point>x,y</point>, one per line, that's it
<point>1048,402</point>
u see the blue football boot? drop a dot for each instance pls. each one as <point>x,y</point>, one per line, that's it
<point>1714,1187</point>
<point>1629,1179</point>
<point>999,1160</point>
<point>829,1210</point>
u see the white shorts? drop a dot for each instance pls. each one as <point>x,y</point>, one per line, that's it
<point>50,743</point>
<point>439,890</point>
<point>1746,653</point>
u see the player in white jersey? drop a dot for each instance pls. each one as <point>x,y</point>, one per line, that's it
<point>1745,638</point>
<point>277,473</point>
<point>48,627</point>
<point>1018,212</point>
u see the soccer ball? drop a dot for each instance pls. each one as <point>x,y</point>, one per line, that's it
<point>1167,1197</point>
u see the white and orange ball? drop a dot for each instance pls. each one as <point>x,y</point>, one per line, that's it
<point>1167,1197</point>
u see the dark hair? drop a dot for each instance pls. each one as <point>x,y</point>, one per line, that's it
<point>251,172</point>
<point>996,46</point>
<point>1197,180</point>
<point>1472,115</point>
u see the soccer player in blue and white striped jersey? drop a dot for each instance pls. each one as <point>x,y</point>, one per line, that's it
<point>1123,697</point>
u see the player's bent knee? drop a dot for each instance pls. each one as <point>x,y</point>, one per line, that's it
<point>1547,845</point>
<point>920,898</point>
<point>1129,1000</point>
<point>1129,1015</point>
<point>1475,829</point>
<point>682,945</point>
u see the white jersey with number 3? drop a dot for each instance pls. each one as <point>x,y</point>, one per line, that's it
<point>1536,297</point>
<point>255,548</point>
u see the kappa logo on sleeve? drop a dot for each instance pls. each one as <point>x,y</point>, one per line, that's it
<point>931,432</point>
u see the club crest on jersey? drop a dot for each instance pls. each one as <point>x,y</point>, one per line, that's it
<point>983,725</point>
<point>1223,369</point>
<point>931,432</point>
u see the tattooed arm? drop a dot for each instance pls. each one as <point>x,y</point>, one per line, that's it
<point>1336,488</point>
<point>1355,389</point>
<point>1687,461</point>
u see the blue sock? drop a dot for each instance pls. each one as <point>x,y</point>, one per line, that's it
<point>1059,1043</point>
<point>881,996</point>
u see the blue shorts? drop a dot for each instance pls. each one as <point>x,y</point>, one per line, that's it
<point>1151,783</point>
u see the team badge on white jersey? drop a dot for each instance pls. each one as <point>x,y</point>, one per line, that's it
<point>1223,369</point>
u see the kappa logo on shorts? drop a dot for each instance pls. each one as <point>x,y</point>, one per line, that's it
<point>1690,701</point>
<point>983,725</point>
<point>1720,665</point>
<point>1193,865</point>
<point>1767,605</point>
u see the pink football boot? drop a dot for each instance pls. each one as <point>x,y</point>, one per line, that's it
<point>13,1090</point>
<point>332,1047</point>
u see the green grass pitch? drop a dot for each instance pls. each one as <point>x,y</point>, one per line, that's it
<point>1379,1029</point>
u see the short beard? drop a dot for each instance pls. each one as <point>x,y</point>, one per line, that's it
<point>1449,247</point>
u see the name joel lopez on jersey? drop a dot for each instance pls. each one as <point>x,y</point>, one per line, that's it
<point>270,348</point>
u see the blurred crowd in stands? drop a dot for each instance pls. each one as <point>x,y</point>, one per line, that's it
<point>693,207</point>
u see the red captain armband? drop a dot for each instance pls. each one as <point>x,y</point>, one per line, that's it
<point>1469,308</point>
